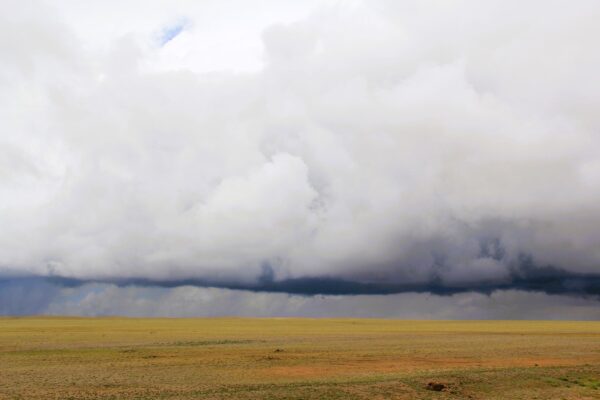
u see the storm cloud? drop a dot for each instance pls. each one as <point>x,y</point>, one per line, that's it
<point>362,147</point>
<point>36,296</point>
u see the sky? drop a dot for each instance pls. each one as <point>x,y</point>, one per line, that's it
<point>405,159</point>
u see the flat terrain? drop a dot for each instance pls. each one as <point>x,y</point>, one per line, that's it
<point>119,358</point>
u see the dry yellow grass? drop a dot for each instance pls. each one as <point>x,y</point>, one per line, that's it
<point>218,358</point>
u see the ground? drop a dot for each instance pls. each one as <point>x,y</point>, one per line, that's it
<point>235,358</point>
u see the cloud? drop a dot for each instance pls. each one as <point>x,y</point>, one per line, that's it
<point>188,301</point>
<point>422,146</point>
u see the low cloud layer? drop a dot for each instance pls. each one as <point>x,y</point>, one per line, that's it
<point>188,301</point>
<point>420,145</point>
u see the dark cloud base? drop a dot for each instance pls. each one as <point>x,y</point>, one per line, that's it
<point>527,277</point>
<point>27,295</point>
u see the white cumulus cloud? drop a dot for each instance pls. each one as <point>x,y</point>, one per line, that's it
<point>373,140</point>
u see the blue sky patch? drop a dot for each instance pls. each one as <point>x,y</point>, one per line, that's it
<point>172,31</point>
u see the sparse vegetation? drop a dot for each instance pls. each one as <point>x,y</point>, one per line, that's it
<point>120,358</point>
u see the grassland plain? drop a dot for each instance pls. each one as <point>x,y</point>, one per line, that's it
<point>280,358</point>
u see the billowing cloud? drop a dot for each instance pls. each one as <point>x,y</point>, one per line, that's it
<point>416,145</point>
